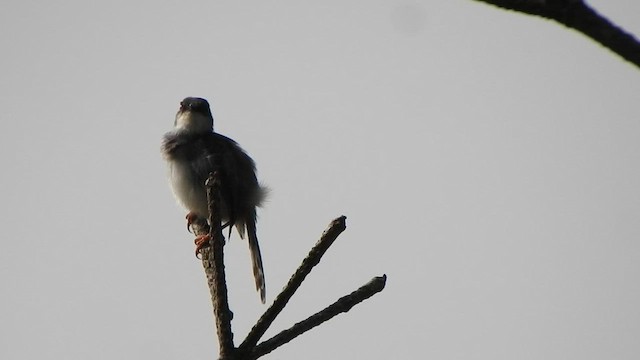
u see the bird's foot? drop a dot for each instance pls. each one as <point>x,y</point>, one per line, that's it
<point>201,241</point>
<point>191,218</point>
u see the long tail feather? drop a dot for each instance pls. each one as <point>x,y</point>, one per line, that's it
<point>256,259</point>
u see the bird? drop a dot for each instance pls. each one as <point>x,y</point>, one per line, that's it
<point>192,151</point>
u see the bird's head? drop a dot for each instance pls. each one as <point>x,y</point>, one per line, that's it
<point>194,116</point>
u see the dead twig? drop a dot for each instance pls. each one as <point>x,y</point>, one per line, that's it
<point>342,305</point>
<point>336,227</point>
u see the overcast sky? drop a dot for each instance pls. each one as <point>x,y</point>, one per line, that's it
<point>488,162</point>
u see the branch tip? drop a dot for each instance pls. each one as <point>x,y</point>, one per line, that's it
<point>342,305</point>
<point>336,227</point>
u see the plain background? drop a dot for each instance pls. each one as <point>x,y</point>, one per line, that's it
<point>487,161</point>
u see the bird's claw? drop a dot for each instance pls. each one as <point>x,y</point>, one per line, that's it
<point>191,219</point>
<point>201,242</point>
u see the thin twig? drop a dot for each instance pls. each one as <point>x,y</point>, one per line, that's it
<point>342,305</point>
<point>336,227</point>
<point>578,15</point>
<point>213,263</point>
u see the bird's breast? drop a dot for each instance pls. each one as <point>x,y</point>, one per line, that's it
<point>187,188</point>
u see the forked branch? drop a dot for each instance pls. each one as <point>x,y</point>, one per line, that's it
<point>336,227</point>
<point>213,263</point>
<point>342,305</point>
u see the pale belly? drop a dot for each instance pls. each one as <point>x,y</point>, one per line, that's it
<point>191,196</point>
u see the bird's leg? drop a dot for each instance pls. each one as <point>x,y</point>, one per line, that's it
<point>191,218</point>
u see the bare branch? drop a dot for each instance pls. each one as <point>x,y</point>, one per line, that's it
<point>336,227</point>
<point>342,305</point>
<point>213,263</point>
<point>212,260</point>
<point>576,14</point>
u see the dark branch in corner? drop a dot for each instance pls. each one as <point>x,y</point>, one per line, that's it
<point>576,14</point>
<point>342,305</point>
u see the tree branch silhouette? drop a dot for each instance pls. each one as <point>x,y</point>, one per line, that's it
<point>336,227</point>
<point>213,264</point>
<point>578,15</point>
<point>342,305</point>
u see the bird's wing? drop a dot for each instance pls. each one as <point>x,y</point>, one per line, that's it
<point>209,153</point>
<point>240,191</point>
<point>237,175</point>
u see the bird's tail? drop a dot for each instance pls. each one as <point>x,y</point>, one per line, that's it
<point>256,259</point>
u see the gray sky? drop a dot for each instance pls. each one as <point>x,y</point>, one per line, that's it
<point>487,162</point>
